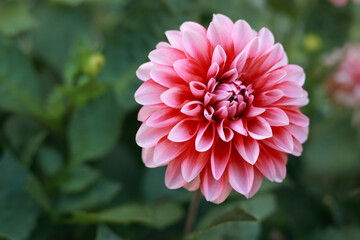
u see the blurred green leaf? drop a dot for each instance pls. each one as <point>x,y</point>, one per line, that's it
<point>349,233</point>
<point>154,188</point>
<point>78,2</point>
<point>165,214</point>
<point>49,161</point>
<point>68,25</point>
<point>15,18</point>
<point>37,192</point>
<point>94,129</point>
<point>99,193</point>
<point>19,87</point>
<point>159,215</point>
<point>18,211</point>
<point>104,233</point>
<point>78,178</point>
<point>229,231</point>
<point>333,148</point>
<point>25,136</point>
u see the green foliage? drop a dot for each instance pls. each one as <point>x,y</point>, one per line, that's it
<point>70,167</point>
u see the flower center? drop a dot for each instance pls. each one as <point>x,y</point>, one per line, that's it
<point>227,100</point>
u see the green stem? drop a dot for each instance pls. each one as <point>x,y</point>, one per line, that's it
<point>192,213</point>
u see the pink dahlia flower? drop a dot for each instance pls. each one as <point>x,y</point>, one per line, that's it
<point>342,2</point>
<point>221,108</point>
<point>345,82</point>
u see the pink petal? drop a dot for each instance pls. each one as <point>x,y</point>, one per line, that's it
<point>198,89</point>
<point>193,108</point>
<point>275,117</point>
<point>146,111</point>
<point>297,118</point>
<point>205,137</point>
<point>225,133</point>
<point>173,177</point>
<point>253,111</point>
<point>225,193</point>
<point>196,45</point>
<point>166,150</point>
<point>242,34</point>
<point>300,133</point>
<point>174,97</point>
<point>220,156</point>
<point>258,177</point>
<point>290,89</point>
<point>267,98</point>
<point>147,137</point>
<point>175,39</point>
<point>295,74</point>
<point>193,26</point>
<point>239,61</point>
<point>270,80</point>
<point>164,118</point>
<point>241,175</point>
<point>297,148</point>
<point>193,185</point>
<point>162,45</point>
<point>238,126</point>
<point>166,56</point>
<point>189,70</point>
<point>265,165</point>
<point>143,72</point>
<point>193,163</point>
<point>219,56</point>
<point>267,39</point>
<point>248,148</point>
<point>166,77</point>
<point>213,70</point>
<point>210,187</point>
<point>219,32</point>
<point>283,139</point>
<point>253,48</point>
<point>259,128</point>
<point>279,164</point>
<point>183,130</point>
<point>147,155</point>
<point>149,93</point>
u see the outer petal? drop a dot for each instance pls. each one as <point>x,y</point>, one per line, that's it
<point>149,93</point>
<point>184,130</point>
<point>147,137</point>
<point>197,47</point>
<point>259,129</point>
<point>193,163</point>
<point>242,34</point>
<point>173,176</point>
<point>210,187</point>
<point>166,56</point>
<point>189,70</point>
<point>258,177</point>
<point>240,174</point>
<point>166,150</point>
<point>220,156</point>
<point>225,193</point>
<point>248,148</point>
<point>143,72</point>
<point>219,32</point>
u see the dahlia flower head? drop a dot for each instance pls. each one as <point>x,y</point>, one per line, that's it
<point>342,2</point>
<point>345,82</point>
<point>220,108</point>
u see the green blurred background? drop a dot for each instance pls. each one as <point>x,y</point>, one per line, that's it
<point>70,168</point>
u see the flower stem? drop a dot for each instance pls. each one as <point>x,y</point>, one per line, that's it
<point>189,225</point>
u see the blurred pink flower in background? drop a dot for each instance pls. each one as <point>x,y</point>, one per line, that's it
<point>221,108</point>
<point>342,2</point>
<point>344,84</point>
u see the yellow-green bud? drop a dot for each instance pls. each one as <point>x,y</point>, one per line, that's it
<point>94,64</point>
<point>312,42</point>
